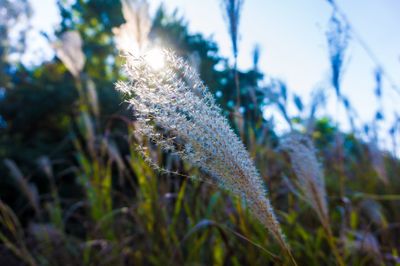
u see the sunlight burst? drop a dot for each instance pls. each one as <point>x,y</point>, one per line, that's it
<point>155,58</point>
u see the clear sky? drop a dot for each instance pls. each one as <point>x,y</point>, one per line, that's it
<point>292,37</point>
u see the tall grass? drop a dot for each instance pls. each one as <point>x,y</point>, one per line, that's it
<point>123,212</point>
<point>232,10</point>
<point>173,108</point>
<point>310,181</point>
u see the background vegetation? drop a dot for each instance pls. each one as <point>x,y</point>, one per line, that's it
<point>75,191</point>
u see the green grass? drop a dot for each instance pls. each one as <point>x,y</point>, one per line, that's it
<point>150,218</point>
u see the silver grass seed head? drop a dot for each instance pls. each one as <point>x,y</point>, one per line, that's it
<point>310,179</point>
<point>174,109</point>
<point>69,50</point>
<point>133,34</point>
<point>363,242</point>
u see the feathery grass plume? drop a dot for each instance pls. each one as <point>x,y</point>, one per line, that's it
<point>372,211</point>
<point>133,35</point>
<point>309,174</point>
<point>175,110</point>
<point>365,244</point>
<point>310,180</point>
<point>232,10</point>
<point>69,50</point>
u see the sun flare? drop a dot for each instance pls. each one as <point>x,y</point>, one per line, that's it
<point>155,58</point>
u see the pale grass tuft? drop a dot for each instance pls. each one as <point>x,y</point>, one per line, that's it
<point>69,49</point>
<point>366,244</point>
<point>132,36</point>
<point>310,179</point>
<point>372,211</point>
<point>175,110</point>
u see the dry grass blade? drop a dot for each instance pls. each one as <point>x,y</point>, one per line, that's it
<point>372,211</point>
<point>366,244</point>
<point>29,190</point>
<point>45,164</point>
<point>310,180</point>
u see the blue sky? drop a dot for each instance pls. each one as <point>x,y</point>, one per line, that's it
<point>291,34</point>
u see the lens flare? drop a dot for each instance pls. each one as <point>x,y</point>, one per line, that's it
<point>155,58</point>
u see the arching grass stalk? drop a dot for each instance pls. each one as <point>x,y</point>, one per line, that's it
<point>175,110</point>
<point>310,181</point>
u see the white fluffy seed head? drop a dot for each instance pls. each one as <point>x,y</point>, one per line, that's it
<point>175,109</point>
<point>132,36</point>
<point>308,171</point>
<point>69,49</point>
